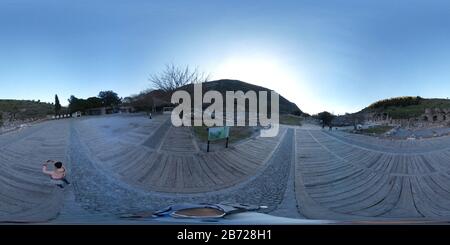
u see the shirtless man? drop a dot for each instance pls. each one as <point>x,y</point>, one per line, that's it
<point>58,175</point>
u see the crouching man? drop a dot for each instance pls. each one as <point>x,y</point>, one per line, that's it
<point>58,175</point>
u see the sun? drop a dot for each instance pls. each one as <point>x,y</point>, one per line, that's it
<point>267,71</point>
<point>263,71</point>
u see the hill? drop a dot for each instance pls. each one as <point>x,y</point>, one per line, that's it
<point>406,107</point>
<point>224,85</point>
<point>159,98</point>
<point>24,110</point>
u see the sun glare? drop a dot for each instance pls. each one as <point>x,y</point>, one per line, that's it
<point>265,71</point>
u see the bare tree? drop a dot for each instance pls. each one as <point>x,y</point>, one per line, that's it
<point>174,77</point>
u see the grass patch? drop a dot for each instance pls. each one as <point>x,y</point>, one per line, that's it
<point>236,133</point>
<point>289,119</point>
<point>377,130</point>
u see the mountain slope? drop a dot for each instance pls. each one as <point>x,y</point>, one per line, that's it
<point>406,107</point>
<point>24,109</point>
<point>235,85</point>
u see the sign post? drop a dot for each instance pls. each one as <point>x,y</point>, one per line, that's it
<point>218,133</point>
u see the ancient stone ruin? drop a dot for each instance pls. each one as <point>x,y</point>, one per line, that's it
<point>430,118</point>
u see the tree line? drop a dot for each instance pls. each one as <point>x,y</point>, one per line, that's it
<point>103,99</point>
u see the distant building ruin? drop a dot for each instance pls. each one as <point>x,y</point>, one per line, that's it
<point>436,115</point>
<point>430,117</point>
<point>96,111</point>
<point>126,109</point>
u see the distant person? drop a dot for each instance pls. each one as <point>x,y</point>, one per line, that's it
<point>58,175</point>
<point>150,115</point>
<point>330,128</point>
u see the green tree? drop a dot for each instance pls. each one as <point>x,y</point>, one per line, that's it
<point>76,104</point>
<point>326,118</point>
<point>109,98</point>
<point>57,105</point>
<point>93,102</point>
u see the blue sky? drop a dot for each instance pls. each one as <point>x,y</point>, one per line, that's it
<point>324,55</point>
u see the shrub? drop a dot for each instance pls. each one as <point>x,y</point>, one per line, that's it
<point>398,102</point>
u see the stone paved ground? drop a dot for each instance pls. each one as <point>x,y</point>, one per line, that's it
<point>308,173</point>
<point>98,192</point>
<point>346,176</point>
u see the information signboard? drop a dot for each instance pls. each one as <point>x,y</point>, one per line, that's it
<point>217,133</point>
